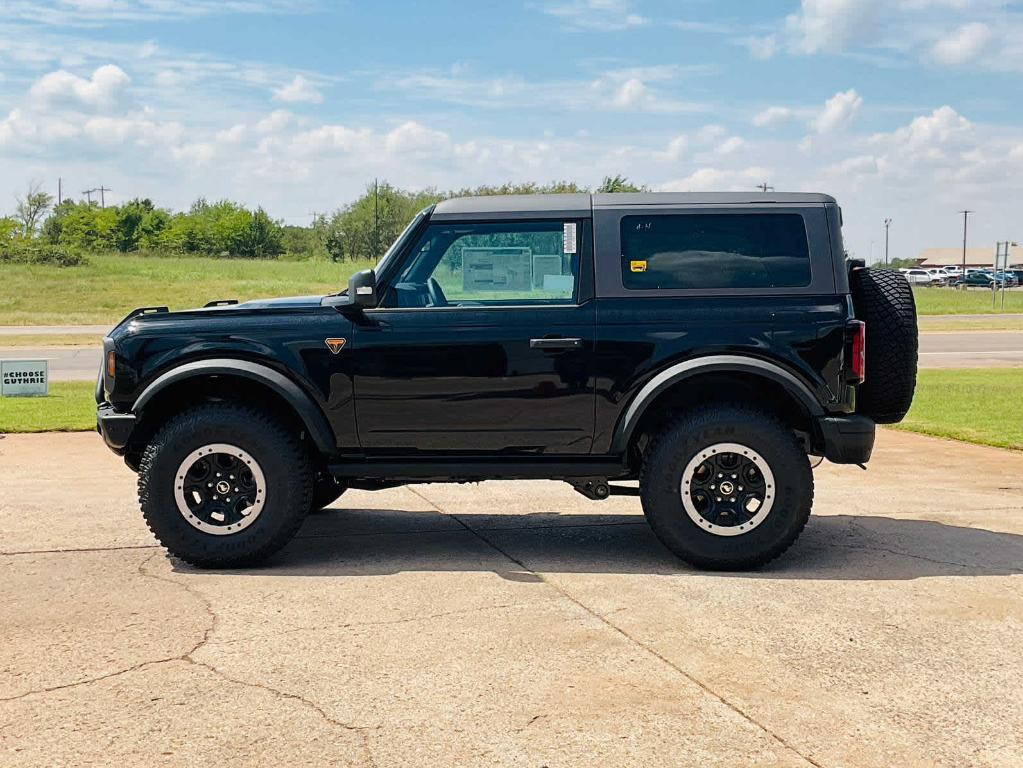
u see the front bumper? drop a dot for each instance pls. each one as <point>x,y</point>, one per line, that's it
<point>847,439</point>
<point>116,428</point>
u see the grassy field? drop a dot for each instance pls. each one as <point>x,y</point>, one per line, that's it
<point>111,286</point>
<point>71,407</point>
<point>946,301</point>
<point>975,405</point>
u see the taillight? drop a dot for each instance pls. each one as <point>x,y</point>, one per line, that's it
<point>858,363</point>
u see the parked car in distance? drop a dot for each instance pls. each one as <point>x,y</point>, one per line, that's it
<point>918,276</point>
<point>975,280</point>
<point>939,276</point>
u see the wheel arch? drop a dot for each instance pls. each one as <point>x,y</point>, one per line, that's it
<point>236,379</point>
<point>716,378</point>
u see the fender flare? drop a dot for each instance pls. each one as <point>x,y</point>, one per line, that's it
<point>709,364</point>
<point>308,411</point>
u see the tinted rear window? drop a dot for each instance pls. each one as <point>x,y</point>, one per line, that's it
<point>719,250</point>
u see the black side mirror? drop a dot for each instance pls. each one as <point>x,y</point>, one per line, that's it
<point>362,289</point>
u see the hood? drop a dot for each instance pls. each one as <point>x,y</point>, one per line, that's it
<point>286,301</point>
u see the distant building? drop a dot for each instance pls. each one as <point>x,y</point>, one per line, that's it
<point>975,257</point>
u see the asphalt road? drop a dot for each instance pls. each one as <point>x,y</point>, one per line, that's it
<point>975,349</point>
<point>516,624</point>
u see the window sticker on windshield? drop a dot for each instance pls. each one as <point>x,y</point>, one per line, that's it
<point>570,238</point>
<point>637,266</point>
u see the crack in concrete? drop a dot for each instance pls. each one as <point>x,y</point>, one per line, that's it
<point>189,658</point>
<point>73,551</point>
<point>388,622</point>
<point>635,641</point>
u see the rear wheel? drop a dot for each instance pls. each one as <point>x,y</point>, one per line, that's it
<point>727,488</point>
<point>224,485</point>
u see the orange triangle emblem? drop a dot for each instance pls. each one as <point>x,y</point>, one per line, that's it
<point>335,345</point>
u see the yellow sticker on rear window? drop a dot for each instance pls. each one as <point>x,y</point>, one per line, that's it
<point>637,266</point>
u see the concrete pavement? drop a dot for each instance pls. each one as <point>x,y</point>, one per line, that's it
<point>968,349</point>
<point>516,624</point>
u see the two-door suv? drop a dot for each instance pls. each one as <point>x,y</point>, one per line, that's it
<point>706,345</point>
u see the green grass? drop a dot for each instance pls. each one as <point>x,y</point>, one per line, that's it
<point>71,407</point>
<point>978,405</point>
<point>948,301</point>
<point>112,285</point>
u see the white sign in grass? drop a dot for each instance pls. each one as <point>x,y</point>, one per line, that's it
<point>24,378</point>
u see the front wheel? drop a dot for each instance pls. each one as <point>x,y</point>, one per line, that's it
<point>727,488</point>
<point>224,485</point>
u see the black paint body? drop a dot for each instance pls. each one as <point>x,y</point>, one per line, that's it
<point>460,384</point>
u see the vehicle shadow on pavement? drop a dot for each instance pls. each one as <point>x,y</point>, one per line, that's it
<point>833,547</point>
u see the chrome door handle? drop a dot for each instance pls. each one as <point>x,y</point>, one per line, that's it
<point>555,343</point>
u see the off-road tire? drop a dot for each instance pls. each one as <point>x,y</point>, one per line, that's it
<point>883,299</point>
<point>284,463</point>
<point>326,490</point>
<point>661,487</point>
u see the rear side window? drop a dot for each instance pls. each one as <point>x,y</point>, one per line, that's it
<point>715,250</point>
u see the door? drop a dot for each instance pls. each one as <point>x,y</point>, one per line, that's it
<point>482,343</point>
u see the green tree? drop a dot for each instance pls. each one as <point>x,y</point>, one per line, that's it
<point>618,183</point>
<point>9,228</point>
<point>32,207</point>
<point>365,228</point>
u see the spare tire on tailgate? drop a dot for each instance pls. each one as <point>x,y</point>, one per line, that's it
<point>884,301</point>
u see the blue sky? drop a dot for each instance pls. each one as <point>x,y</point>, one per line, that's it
<point>909,109</point>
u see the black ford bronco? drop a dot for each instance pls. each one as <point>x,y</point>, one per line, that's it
<point>706,345</point>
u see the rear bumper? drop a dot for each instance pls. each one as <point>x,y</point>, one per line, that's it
<point>847,439</point>
<point>115,428</point>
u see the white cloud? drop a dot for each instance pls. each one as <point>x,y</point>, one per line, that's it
<point>632,94</point>
<point>831,25</point>
<point>300,89</point>
<point>731,145</point>
<point>596,15</point>
<point>102,89</point>
<point>838,112</point>
<point>761,48</point>
<point>677,147</point>
<point>963,45</point>
<point>717,179</point>
<point>772,116</point>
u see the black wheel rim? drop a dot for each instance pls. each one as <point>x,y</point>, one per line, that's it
<point>220,489</point>
<point>727,489</point>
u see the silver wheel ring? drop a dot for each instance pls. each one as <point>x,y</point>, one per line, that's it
<point>728,530</point>
<point>257,476</point>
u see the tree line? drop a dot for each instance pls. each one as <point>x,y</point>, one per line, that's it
<point>40,231</point>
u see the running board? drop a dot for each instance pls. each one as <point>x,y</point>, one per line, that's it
<point>458,469</point>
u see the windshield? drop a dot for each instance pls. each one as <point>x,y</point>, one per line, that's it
<point>396,245</point>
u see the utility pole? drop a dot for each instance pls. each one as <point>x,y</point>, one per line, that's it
<point>88,195</point>
<point>764,187</point>
<point>101,189</point>
<point>59,180</point>
<point>887,223</point>
<point>965,216</point>
<point>376,220</point>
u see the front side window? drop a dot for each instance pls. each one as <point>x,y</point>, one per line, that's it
<point>490,264</point>
<point>719,250</point>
